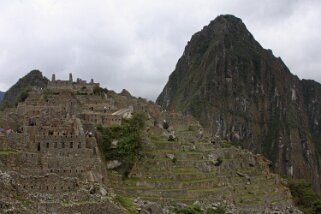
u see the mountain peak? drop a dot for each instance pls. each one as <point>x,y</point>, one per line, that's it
<point>227,19</point>
<point>240,92</point>
<point>225,24</point>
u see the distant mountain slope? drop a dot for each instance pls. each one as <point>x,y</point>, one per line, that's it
<point>19,91</point>
<point>243,93</point>
<point>1,95</point>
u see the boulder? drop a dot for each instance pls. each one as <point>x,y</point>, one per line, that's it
<point>170,156</point>
<point>103,191</point>
<point>113,164</point>
<point>153,208</point>
<point>114,144</point>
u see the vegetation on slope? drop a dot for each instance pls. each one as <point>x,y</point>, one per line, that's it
<point>19,91</point>
<point>1,95</point>
<point>189,210</point>
<point>99,90</point>
<point>7,151</point>
<point>197,210</point>
<point>304,196</point>
<point>126,203</point>
<point>129,137</point>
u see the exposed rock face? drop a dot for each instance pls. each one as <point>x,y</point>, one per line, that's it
<point>242,92</point>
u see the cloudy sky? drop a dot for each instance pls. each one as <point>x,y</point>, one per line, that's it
<point>136,44</point>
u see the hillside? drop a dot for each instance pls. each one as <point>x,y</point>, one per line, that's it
<point>1,95</point>
<point>73,147</point>
<point>19,91</point>
<point>241,92</point>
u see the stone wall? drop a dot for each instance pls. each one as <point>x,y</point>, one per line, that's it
<point>104,119</point>
<point>50,183</point>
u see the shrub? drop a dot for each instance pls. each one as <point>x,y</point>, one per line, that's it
<point>126,203</point>
<point>129,136</point>
<point>165,125</point>
<point>23,96</point>
<point>171,138</point>
<point>218,162</point>
<point>304,196</point>
<point>218,210</point>
<point>189,210</point>
<point>174,160</point>
<point>98,90</point>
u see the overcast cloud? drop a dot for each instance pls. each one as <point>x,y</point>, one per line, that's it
<point>136,44</point>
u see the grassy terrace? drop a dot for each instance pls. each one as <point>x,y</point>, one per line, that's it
<point>172,199</point>
<point>172,180</point>
<point>192,176</point>
<point>164,151</point>
<point>168,159</point>
<point>7,152</point>
<point>212,189</point>
<point>126,203</point>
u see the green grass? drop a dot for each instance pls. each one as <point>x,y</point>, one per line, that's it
<point>204,189</point>
<point>173,199</point>
<point>176,169</point>
<point>198,180</point>
<point>191,173</point>
<point>173,189</point>
<point>150,180</point>
<point>23,200</point>
<point>126,203</point>
<point>169,180</point>
<point>195,161</point>
<point>255,201</point>
<point>31,211</point>
<point>220,210</point>
<point>164,151</point>
<point>7,152</point>
<point>189,210</point>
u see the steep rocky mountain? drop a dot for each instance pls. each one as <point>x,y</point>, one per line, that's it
<point>1,95</point>
<point>19,91</point>
<point>241,92</point>
<point>63,149</point>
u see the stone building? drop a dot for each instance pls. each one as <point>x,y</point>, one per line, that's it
<point>51,149</point>
<point>80,85</point>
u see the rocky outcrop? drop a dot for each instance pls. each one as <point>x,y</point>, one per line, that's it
<point>242,92</point>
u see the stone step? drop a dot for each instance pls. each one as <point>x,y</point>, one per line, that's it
<point>179,176</point>
<point>177,200</point>
<point>176,146</point>
<point>178,155</point>
<point>176,184</point>
<point>214,192</point>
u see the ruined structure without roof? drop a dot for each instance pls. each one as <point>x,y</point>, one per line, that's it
<point>50,161</point>
<point>54,153</point>
<point>80,86</point>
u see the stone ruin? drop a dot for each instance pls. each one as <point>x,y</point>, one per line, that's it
<point>52,139</point>
<point>78,86</point>
<point>50,161</point>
